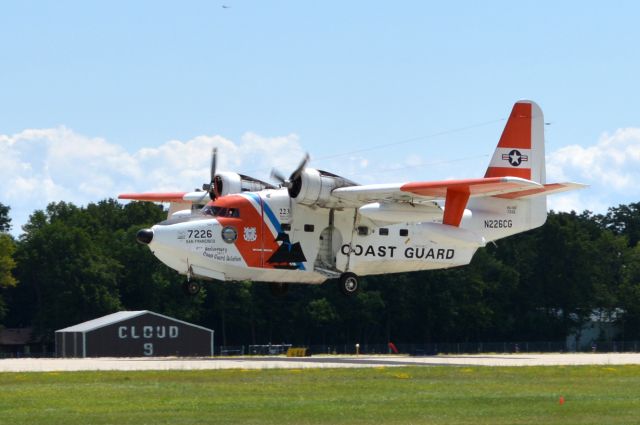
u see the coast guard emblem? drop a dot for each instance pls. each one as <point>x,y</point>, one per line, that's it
<point>250,234</point>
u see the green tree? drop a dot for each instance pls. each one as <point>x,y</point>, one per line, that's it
<point>624,220</point>
<point>321,315</point>
<point>7,262</point>
<point>5,220</point>
<point>69,278</point>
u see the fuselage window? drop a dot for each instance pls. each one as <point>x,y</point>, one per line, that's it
<point>363,230</point>
<point>384,232</point>
<point>404,232</point>
<point>309,227</point>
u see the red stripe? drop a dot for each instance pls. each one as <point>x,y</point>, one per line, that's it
<point>154,197</point>
<point>473,186</point>
<point>517,132</point>
<point>524,173</point>
<point>254,253</point>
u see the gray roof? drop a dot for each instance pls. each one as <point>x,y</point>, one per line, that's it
<point>120,316</point>
<point>103,321</point>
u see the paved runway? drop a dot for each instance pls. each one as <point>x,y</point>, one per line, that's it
<point>171,363</point>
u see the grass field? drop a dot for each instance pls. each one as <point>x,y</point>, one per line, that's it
<point>414,395</point>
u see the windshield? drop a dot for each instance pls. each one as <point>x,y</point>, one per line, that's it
<point>220,211</point>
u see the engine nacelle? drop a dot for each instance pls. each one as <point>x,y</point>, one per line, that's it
<point>314,187</point>
<point>226,183</point>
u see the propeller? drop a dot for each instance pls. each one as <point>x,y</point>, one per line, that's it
<point>210,187</point>
<point>288,183</point>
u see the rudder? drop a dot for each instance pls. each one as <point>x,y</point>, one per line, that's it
<point>520,151</point>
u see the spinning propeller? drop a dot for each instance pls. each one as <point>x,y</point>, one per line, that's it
<point>211,186</point>
<point>294,179</point>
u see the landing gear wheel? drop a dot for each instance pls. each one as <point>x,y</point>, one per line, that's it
<point>349,284</point>
<point>279,289</point>
<point>191,287</point>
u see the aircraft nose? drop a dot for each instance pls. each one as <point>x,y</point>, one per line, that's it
<point>144,236</point>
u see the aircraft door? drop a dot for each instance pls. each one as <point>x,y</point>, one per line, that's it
<point>328,245</point>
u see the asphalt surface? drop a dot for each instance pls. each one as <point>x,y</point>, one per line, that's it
<point>172,363</point>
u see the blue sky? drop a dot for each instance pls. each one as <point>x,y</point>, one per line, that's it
<point>97,98</point>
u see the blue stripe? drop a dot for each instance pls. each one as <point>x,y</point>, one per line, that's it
<point>267,210</point>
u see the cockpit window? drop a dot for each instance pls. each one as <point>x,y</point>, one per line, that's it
<point>221,211</point>
<point>210,210</point>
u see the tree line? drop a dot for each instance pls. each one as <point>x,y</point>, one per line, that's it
<point>73,264</point>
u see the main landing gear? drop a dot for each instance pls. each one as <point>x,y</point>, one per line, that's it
<point>191,287</point>
<point>349,284</point>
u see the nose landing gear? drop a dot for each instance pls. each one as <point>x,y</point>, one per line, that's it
<point>191,287</point>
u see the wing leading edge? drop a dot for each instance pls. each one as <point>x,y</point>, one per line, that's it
<point>428,191</point>
<point>455,193</point>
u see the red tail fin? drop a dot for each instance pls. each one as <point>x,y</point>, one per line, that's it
<point>520,152</point>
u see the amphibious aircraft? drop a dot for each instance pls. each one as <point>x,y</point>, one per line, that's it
<point>316,225</point>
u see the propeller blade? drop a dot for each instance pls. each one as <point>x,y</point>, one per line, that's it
<point>211,187</point>
<point>277,176</point>
<point>204,195</point>
<point>288,183</point>
<point>300,168</point>
<point>214,160</point>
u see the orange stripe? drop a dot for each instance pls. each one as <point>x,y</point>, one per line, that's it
<point>517,132</point>
<point>439,188</point>
<point>253,253</point>
<point>473,186</point>
<point>154,197</point>
<point>524,173</point>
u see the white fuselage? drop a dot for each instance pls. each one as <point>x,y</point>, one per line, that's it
<point>265,236</point>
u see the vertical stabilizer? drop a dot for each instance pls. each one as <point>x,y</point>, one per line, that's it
<point>520,152</point>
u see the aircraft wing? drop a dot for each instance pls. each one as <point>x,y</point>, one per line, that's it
<point>430,191</point>
<point>177,197</point>
<point>178,201</point>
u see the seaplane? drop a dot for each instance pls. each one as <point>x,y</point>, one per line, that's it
<point>316,226</point>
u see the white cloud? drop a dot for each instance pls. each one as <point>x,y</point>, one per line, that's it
<point>611,167</point>
<point>39,166</point>
<point>613,161</point>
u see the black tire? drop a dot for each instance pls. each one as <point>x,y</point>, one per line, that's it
<point>279,289</point>
<point>349,284</point>
<point>191,287</point>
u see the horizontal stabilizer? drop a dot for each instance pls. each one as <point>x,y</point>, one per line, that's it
<point>548,189</point>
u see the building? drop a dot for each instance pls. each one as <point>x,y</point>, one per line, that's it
<point>134,334</point>
<point>18,342</point>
